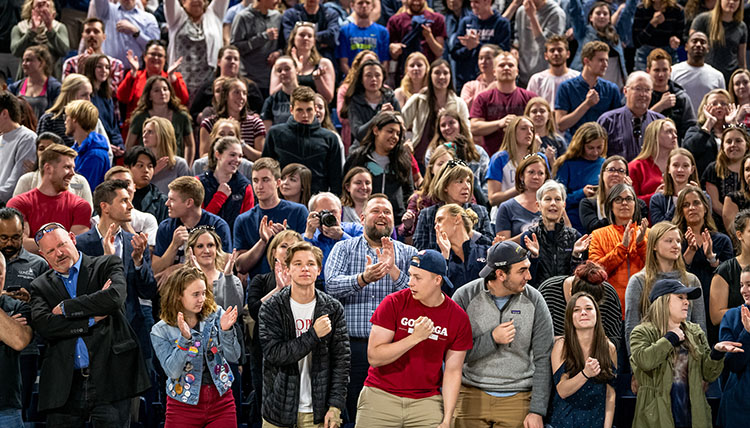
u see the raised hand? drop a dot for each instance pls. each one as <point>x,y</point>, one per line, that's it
<point>228,318</point>
<point>731,347</point>
<point>504,333</point>
<point>710,119</point>
<point>422,328</point>
<point>592,368</point>
<point>745,317</point>
<point>229,267</point>
<point>532,245</point>
<point>265,231</point>
<point>592,98</point>
<point>627,234</point>
<point>282,275</point>
<point>183,325</point>
<point>374,271</point>
<point>322,326</point>
<point>582,244</point>
<point>180,236</point>
<point>387,254</point>
<point>139,242</point>
<point>133,61</point>
<point>641,235</point>
<point>408,219</point>
<point>108,240</point>
<point>225,189</point>
<point>690,239</point>
<point>443,242</point>
<point>708,244</point>
<point>172,68</point>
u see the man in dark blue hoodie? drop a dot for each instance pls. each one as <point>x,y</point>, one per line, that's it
<point>302,140</point>
<point>483,25</point>
<point>93,159</point>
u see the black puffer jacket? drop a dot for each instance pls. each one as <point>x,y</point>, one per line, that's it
<point>282,351</point>
<point>360,113</point>
<point>682,113</point>
<point>555,252</point>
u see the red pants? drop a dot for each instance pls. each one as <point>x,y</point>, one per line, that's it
<point>212,411</point>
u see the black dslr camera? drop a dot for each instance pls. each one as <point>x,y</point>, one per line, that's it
<point>327,218</point>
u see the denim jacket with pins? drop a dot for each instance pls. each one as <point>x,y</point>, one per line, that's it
<point>182,359</point>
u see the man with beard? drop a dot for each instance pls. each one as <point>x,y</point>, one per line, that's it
<point>493,109</point>
<point>51,201</point>
<point>546,82</point>
<point>360,35</point>
<point>507,373</point>
<point>697,77</point>
<point>21,267</point>
<point>360,272</point>
<point>626,125</point>
<point>586,97</point>
<point>94,37</point>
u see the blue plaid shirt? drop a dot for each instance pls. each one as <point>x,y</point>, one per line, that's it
<point>346,261</point>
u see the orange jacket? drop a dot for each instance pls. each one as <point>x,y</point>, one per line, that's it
<point>620,263</point>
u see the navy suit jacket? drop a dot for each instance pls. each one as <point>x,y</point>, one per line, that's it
<point>140,282</point>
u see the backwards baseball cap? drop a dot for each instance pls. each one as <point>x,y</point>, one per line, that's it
<point>432,261</point>
<point>502,254</point>
<point>672,286</point>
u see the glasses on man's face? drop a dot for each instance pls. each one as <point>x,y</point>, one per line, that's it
<point>613,170</point>
<point>641,89</point>
<point>14,238</point>
<point>49,227</point>
<point>626,200</point>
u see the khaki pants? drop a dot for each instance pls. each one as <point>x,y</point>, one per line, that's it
<point>304,420</point>
<point>477,409</point>
<point>377,408</point>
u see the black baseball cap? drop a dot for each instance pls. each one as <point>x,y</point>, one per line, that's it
<point>503,254</point>
<point>672,286</point>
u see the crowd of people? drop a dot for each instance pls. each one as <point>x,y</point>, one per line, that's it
<point>381,213</point>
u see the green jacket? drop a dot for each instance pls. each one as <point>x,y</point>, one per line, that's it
<point>652,359</point>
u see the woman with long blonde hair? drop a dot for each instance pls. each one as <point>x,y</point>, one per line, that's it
<point>519,141</point>
<point>663,261</point>
<point>158,135</point>
<point>648,168</point>
<point>727,36</point>
<point>722,177</point>
<point>579,168</point>
<point>415,78</point>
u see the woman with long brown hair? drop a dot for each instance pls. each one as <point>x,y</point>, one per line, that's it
<point>415,78</point>
<point>356,188</point>
<point>362,56</point>
<point>584,363</point>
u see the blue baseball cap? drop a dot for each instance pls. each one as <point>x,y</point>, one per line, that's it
<point>502,254</point>
<point>672,286</point>
<point>432,261</point>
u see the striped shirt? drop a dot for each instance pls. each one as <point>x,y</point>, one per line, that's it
<point>347,260</point>
<point>553,294</point>
<point>250,128</point>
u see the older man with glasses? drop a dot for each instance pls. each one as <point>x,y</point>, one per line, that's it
<point>625,125</point>
<point>92,364</point>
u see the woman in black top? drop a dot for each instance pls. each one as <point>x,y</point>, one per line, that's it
<point>657,24</point>
<point>383,153</point>
<point>365,98</point>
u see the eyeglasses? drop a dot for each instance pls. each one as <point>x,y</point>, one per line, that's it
<point>49,227</point>
<point>14,238</point>
<point>626,200</point>
<point>454,163</point>
<point>613,170</point>
<point>641,89</point>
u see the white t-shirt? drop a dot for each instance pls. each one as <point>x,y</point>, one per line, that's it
<point>303,321</point>
<point>545,84</point>
<point>697,81</point>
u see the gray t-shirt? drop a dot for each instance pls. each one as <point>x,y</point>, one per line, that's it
<point>724,58</point>
<point>165,176</point>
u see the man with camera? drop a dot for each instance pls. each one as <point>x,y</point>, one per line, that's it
<point>324,226</point>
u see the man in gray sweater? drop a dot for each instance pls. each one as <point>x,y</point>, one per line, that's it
<point>507,375</point>
<point>255,32</point>
<point>17,145</point>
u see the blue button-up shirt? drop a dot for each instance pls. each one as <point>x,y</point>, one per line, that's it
<point>71,281</point>
<point>346,261</point>
<point>117,43</point>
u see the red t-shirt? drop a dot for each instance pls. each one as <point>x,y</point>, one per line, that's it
<point>419,372</point>
<point>40,209</point>
<point>494,105</point>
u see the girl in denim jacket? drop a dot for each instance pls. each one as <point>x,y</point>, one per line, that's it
<point>194,342</point>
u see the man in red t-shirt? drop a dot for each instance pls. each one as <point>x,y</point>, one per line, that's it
<point>51,201</point>
<point>430,37</point>
<point>414,331</point>
<point>493,109</point>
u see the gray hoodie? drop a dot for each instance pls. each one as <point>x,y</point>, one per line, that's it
<point>250,37</point>
<point>522,365</point>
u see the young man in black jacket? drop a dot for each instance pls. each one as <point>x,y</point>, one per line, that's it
<point>303,140</point>
<point>305,368</point>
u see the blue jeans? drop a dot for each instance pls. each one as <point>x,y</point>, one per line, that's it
<point>11,418</point>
